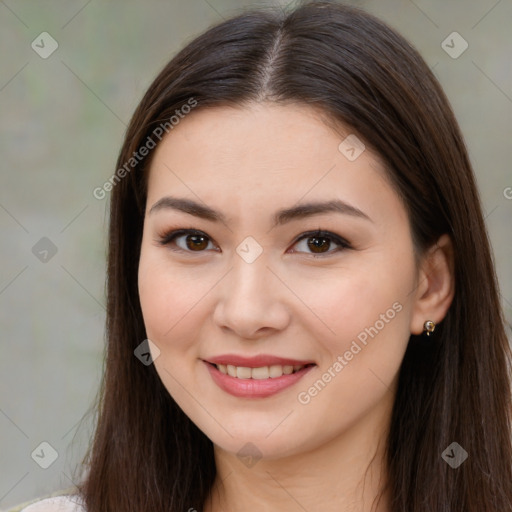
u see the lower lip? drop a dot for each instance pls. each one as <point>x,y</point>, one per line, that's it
<point>254,388</point>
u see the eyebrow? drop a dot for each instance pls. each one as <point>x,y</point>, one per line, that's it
<point>283,216</point>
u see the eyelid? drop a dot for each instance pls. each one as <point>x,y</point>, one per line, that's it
<point>169,236</point>
<point>322,233</point>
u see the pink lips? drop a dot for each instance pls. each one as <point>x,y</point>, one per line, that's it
<point>255,388</point>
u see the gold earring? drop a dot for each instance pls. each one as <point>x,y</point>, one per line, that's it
<point>429,327</point>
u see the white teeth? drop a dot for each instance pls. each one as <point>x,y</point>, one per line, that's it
<point>275,371</point>
<point>242,372</point>
<point>260,373</point>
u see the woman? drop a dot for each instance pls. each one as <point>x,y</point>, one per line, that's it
<point>293,318</point>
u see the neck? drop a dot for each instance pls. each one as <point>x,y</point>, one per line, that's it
<point>345,474</point>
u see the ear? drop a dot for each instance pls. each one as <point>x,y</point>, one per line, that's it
<point>435,286</point>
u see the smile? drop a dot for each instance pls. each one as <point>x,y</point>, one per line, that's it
<point>258,382</point>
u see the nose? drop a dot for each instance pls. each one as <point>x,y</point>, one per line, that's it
<point>253,302</point>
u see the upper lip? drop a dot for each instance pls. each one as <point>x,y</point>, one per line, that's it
<point>255,361</point>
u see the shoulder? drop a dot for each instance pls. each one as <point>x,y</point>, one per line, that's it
<point>56,504</point>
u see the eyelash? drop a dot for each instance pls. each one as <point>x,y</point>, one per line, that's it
<point>169,237</point>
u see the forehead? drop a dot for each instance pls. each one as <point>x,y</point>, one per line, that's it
<point>266,131</point>
<point>265,154</point>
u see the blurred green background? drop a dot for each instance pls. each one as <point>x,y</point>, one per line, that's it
<point>62,121</point>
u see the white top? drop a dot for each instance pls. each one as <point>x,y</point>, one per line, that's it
<point>56,504</point>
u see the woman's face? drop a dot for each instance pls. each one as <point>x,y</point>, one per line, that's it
<point>257,288</point>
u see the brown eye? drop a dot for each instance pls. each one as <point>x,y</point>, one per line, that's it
<point>196,242</point>
<point>315,242</point>
<point>186,240</point>
<point>318,244</point>
<point>321,243</point>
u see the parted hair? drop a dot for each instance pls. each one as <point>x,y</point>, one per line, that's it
<point>146,454</point>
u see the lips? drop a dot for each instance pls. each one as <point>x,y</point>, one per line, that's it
<point>256,377</point>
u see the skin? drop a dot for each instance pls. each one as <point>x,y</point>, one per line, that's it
<point>291,302</point>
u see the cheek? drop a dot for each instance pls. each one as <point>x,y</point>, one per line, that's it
<point>343,303</point>
<point>166,295</point>
<point>169,301</point>
<point>361,325</point>
<point>359,364</point>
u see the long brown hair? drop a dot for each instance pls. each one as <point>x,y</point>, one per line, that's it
<point>147,456</point>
